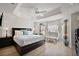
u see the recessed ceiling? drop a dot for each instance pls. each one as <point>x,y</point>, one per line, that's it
<point>49,9</point>
<point>41,6</point>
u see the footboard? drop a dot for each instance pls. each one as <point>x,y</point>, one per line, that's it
<point>28,48</point>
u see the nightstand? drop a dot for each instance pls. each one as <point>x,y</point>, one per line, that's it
<point>5,41</point>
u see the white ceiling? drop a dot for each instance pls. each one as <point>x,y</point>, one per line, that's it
<point>7,7</point>
<point>27,10</point>
<point>42,6</point>
<point>51,8</point>
<point>30,8</point>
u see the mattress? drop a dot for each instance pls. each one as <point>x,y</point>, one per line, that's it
<point>23,40</point>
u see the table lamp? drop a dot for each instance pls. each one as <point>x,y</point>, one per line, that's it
<point>6,31</point>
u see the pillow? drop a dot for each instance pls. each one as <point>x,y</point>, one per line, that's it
<point>18,32</point>
<point>25,32</point>
<point>30,32</point>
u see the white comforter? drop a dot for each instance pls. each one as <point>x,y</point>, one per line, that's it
<point>23,40</point>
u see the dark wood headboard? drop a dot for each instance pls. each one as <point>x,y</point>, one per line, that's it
<point>13,30</point>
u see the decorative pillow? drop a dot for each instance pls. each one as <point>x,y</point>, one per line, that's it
<point>18,32</point>
<point>25,32</point>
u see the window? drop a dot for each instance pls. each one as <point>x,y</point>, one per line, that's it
<point>52,28</point>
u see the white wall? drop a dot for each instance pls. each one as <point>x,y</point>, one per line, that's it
<point>9,20</point>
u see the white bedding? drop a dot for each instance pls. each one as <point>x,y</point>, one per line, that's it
<point>23,40</point>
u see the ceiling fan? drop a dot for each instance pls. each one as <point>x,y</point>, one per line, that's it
<point>13,3</point>
<point>37,11</point>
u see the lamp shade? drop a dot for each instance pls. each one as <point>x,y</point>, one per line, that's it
<point>6,28</point>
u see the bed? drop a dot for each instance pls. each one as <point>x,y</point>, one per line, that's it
<point>26,43</point>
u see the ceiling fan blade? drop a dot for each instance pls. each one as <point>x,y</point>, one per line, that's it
<point>39,11</point>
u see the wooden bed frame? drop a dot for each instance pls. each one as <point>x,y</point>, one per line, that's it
<point>27,48</point>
